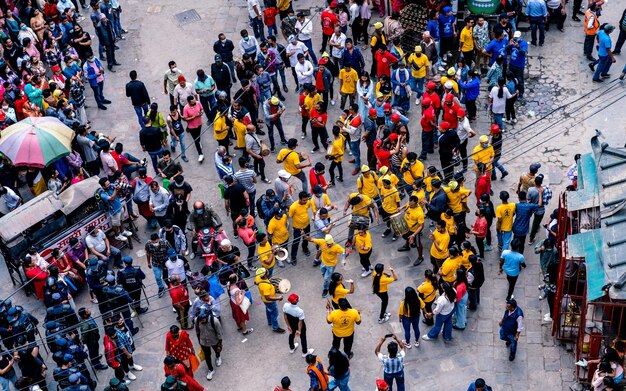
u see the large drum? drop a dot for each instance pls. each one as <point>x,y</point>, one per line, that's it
<point>398,225</point>
<point>265,150</point>
<point>281,285</point>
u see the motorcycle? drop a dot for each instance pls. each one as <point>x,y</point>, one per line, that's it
<point>207,244</point>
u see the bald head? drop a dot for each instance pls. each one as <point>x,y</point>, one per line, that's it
<point>250,128</point>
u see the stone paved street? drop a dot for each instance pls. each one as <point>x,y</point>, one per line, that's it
<point>558,75</point>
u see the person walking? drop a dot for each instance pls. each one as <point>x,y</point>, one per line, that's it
<point>523,212</point>
<point>179,345</point>
<point>269,297</point>
<point>90,337</point>
<point>210,335</point>
<point>339,368</point>
<point>380,287</point>
<point>409,314</point>
<point>511,263</point>
<point>393,361</point>
<point>460,306</point>
<point>605,54</point>
<point>156,256</point>
<point>444,307</point>
<point>139,96</point>
<point>428,293</point>
<point>343,320</point>
<point>318,377</point>
<point>329,254</point>
<point>511,325</point>
<point>294,318</point>
<point>475,279</point>
<point>533,194</point>
<point>192,114</point>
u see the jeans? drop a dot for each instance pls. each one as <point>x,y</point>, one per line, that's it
<point>98,93</point>
<point>355,147</point>
<point>271,312</point>
<point>497,118</point>
<point>442,321</point>
<point>257,28</point>
<point>327,271</point>
<point>208,105</point>
<point>341,383</point>
<point>402,101</point>
<point>174,143</point>
<point>399,376</point>
<point>428,139</point>
<point>117,24</point>
<point>537,22</point>
<point>141,111</point>
<point>129,169</point>
<point>603,67</point>
<point>275,84</point>
<point>588,45</point>
<point>265,95</point>
<point>509,338</point>
<point>158,276</point>
<point>270,132</point>
<point>305,183</point>
<point>473,298</point>
<point>155,156</point>
<point>309,45</point>
<point>272,30</point>
<point>297,237</point>
<point>4,382</point>
<point>504,239</point>
<point>252,198</point>
<point>407,323</point>
<point>460,311</point>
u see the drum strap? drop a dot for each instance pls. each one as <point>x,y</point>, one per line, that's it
<point>323,379</point>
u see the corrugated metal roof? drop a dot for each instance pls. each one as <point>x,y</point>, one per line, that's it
<point>586,197</point>
<point>29,214</point>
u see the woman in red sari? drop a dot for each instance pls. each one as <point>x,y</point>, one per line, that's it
<point>173,368</point>
<point>179,346</point>
<point>36,275</point>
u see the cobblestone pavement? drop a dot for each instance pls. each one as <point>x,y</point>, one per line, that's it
<point>557,74</point>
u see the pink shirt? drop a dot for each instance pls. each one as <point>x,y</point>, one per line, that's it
<point>190,111</point>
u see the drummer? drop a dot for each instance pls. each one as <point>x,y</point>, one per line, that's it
<point>411,168</point>
<point>361,206</point>
<point>391,205</point>
<point>414,219</point>
<point>269,297</point>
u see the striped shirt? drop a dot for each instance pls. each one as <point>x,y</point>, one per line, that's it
<point>246,179</point>
<point>392,365</point>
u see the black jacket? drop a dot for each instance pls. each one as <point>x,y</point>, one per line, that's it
<point>137,92</point>
<point>221,75</point>
<point>448,141</point>
<point>224,49</point>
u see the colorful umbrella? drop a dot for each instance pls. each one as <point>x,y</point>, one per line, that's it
<point>36,141</point>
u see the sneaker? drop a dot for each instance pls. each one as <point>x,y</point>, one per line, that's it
<point>161,293</point>
<point>314,150</point>
<point>131,376</point>
<point>209,376</point>
<point>252,267</point>
<point>121,238</point>
<point>355,172</point>
<point>407,344</point>
<point>417,102</point>
<point>218,361</point>
<point>184,159</point>
<point>127,382</point>
<point>248,331</point>
<point>303,136</point>
<point>511,356</point>
<point>366,273</point>
<point>582,363</point>
<point>425,337</point>
<point>316,262</point>
<point>417,343</point>
<point>332,102</point>
<point>200,158</point>
<point>383,320</point>
<point>547,318</point>
<point>488,247</point>
<point>94,300</point>
<point>309,351</point>
<point>279,331</point>
<point>294,262</point>
<point>403,249</point>
<point>504,175</point>
<point>101,367</point>
<point>514,121</point>
<point>418,261</point>
<point>192,256</point>
<point>281,264</point>
<point>394,238</point>
<point>324,293</point>
<point>295,346</point>
<point>386,233</point>
<point>127,233</point>
<point>137,367</point>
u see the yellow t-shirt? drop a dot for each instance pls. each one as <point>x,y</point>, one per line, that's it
<point>220,129</point>
<point>300,214</point>
<point>339,147</point>
<point>264,252</point>
<point>329,253</point>
<point>448,269</point>
<point>363,241</point>
<point>420,63</point>
<point>384,282</point>
<point>390,199</point>
<point>325,201</point>
<point>455,85</point>
<point>505,213</point>
<point>483,155</point>
<point>349,80</point>
<point>466,39</point>
<point>340,293</point>
<point>311,101</point>
<point>367,185</point>
<point>428,181</point>
<point>240,131</point>
<point>391,177</point>
<point>343,321</point>
<point>465,254</point>
<point>443,240</point>
<point>420,194</point>
<point>428,291</point>
<point>266,289</point>
<point>456,199</point>
<point>407,312</point>
<point>278,229</point>
<point>414,217</point>
<point>417,171</point>
<point>362,208</point>
<point>450,225</point>
<point>290,160</point>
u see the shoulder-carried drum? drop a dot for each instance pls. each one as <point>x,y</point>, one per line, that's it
<point>398,224</point>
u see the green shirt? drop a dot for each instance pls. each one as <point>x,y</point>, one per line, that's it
<point>208,84</point>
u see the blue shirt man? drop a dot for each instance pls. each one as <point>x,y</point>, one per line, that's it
<point>518,49</point>
<point>496,47</point>
<point>109,196</point>
<point>523,213</point>
<point>512,262</point>
<point>536,8</point>
<point>446,23</point>
<point>604,43</point>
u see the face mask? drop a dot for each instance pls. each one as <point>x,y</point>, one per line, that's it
<point>199,211</point>
<point>516,39</point>
<point>179,184</point>
<point>246,38</point>
<point>156,245</point>
<point>52,26</point>
<point>174,70</point>
<point>5,108</point>
<point>179,203</point>
<point>485,145</point>
<point>223,39</point>
<point>23,28</point>
<point>292,17</point>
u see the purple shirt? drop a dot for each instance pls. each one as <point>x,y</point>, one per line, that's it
<point>77,253</point>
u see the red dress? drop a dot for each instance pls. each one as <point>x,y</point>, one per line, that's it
<point>38,278</point>
<point>237,312</point>
<point>180,348</point>
<point>180,374</point>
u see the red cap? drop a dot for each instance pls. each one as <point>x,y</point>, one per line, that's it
<point>333,4</point>
<point>181,78</point>
<point>293,298</point>
<point>444,125</point>
<point>431,85</point>
<point>56,68</point>
<point>449,98</point>
<point>323,61</point>
<point>373,111</point>
<point>495,129</point>
<point>381,384</point>
<point>377,143</point>
<point>460,113</point>
<point>395,117</point>
<point>387,106</point>
<point>426,102</point>
<point>393,136</point>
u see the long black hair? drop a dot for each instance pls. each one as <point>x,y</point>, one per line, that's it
<point>501,82</point>
<point>378,269</point>
<point>448,291</point>
<point>334,281</point>
<point>430,276</point>
<point>154,110</point>
<point>461,277</point>
<point>411,302</point>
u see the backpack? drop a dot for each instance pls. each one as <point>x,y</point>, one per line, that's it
<point>259,208</point>
<point>102,204</point>
<point>141,193</point>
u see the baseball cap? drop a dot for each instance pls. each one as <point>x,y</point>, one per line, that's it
<point>293,298</point>
<point>393,136</point>
<point>274,101</point>
<point>291,38</point>
<point>453,185</point>
<point>535,167</point>
<point>284,174</point>
<point>387,106</point>
<point>378,25</point>
<point>218,57</point>
<point>451,71</point>
<point>127,259</point>
<point>225,243</point>
<point>383,170</point>
<point>181,78</point>
<point>460,113</point>
<point>426,102</point>
<point>372,111</point>
<point>446,9</point>
<point>449,97</point>
<point>333,4</point>
<point>444,125</point>
<point>260,271</point>
<point>329,239</point>
<point>431,85</point>
<point>418,48</point>
<point>448,85</point>
<point>494,129</point>
<point>395,117</point>
<point>517,34</point>
<point>323,61</point>
<point>365,168</point>
<point>484,139</point>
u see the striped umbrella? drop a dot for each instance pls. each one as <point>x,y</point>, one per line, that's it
<point>36,141</point>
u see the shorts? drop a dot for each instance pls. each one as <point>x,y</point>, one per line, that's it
<point>116,219</point>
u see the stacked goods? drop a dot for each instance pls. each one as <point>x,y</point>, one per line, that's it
<point>414,18</point>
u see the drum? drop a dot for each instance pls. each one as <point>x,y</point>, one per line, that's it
<point>282,285</point>
<point>281,254</point>
<point>359,220</point>
<point>329,151</point>
<point>398,225</point>
<point>265,150</point>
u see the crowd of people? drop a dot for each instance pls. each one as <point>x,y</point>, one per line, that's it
<point>401,184</point>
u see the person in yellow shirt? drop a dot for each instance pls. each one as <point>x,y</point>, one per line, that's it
<point>367,181</point>
<point>467,251</point>
<point>447,271</point>
<point>428,293</point>
<point>466,41</point>
<point>391,205</point>
<point>361,205</point>
<point>292,162</point>
<point>330,252</point>
<point>414,219</point>
<point>483,153</point>
<point>504,221</point>
<point>220,131</point>
<point>308,100</point>
<point>411,168</point>
<point>450,77</point>
<point>336,155</point>
<point>448,217</point>
<point>301,223</point>
<point>347,85</point>
<point>409,315</point>
<point>431,175</point>
<point>278,230</point>
<point>265,252</point>
<point>343,321</point>
<point>240,130</point>
<point>269,297</point>
<point>419,65</point>
<point>380,287</point>
<point>457,197</point>
<point>337,290</point>
<point>363,243</point>
<point>384,172</point>
<point>439,248</point>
